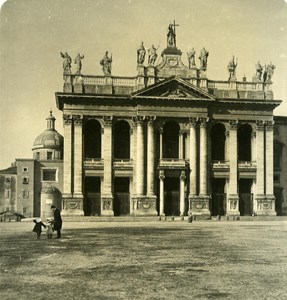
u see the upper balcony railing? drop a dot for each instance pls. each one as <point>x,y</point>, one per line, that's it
<point>240,86</point>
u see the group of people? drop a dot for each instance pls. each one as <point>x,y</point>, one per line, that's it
<point>52,224</point>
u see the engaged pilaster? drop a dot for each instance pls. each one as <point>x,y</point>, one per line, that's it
<point>161,193</point>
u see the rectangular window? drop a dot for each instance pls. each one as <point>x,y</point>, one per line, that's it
<point>25,169</point>
<point>49,175</point>
<point>49,155</point>
<point>25,194</point>
<point>25,180</point>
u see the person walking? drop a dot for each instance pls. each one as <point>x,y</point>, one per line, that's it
<point>57,221</point>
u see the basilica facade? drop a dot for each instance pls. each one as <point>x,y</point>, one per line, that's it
<point>167,141</point>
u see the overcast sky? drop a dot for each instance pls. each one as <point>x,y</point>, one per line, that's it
<point>33,32</point>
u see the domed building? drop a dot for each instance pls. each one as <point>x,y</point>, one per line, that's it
<point>35,183</point>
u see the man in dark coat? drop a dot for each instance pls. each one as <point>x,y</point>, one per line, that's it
<point>57,220</point>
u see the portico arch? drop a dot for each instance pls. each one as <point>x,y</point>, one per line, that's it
<point>171,140</point>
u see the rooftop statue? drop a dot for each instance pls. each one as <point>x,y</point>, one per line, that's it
<point>170,36</point>
<point>231,67</point>
<point>270,71</point>
<point>191,58</point>
<point>106,63</point>
<point>259,71</point>
<point>66,62</point>
<point>78,62</point>
<point>152,55</point>
<point>203,59</point>
<point>141,54</point>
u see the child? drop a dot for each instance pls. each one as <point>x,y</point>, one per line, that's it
<point>49,228</point>
<point>38,227</point>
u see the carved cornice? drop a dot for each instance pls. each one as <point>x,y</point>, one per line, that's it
<point>67,119</point>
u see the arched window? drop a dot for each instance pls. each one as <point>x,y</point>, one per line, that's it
<point>218,137</point>
<point>170,140</point>
<point>92,139</point>
<point>121,136</point>
<point>244,142</point>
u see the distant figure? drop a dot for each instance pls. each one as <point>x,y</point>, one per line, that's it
<point>66,63</point>
<point>38,227</point>
<point>270,71</point>
<point>49,228</point>
<point>259,70</point>
<point>57,221</point>
<point>231,67</point>
<point>191,58</point>
<point>106,63</point>
<point>141,54</point>
<point>152,55</point>
<point>170,36</point>
<point>78,62</point>
<point>203,59</point>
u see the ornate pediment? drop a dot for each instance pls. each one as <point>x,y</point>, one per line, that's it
<point>173,87</point>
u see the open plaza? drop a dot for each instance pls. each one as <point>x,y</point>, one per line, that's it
<point>131,259</point>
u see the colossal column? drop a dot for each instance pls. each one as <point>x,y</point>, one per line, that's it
<point>140,157</point>
<point>203,158</point>
<point>192,161</point>
<point>107,197</point>
<point>161,192</point>
<point>180,144</point>
<point>233,199</point>
<point>150,156</point>
<point>181,200</point>
<point>67,188</point>
<point>269,160</point>
<point>78,157</point>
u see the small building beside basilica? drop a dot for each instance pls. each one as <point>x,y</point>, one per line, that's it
<point>167,142</point>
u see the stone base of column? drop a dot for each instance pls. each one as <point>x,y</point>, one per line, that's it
<point>72,206</point>
<point>107,205</point>
<point>199,205</point>
<point>265,205</point>
<point>232,205</point>
<point>144,205</point>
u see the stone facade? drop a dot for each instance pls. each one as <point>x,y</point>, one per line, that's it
<point>168,141</point>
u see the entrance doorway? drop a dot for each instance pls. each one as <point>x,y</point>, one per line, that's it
<point>121,196</point>
<point>218,204</point>
<point>171,197</point>
<point>245,197</point>
<point>92,196</point>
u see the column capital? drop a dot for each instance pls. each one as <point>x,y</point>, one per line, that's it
<point>150,119</point>
<point>233,124</point>
<point>138,119</point>
<point>269,125</point>
<point>161,175</point>
<point>193,122</point>
<point>259,125</point>
<point>78,119</point>
<point>203,122</point>
<point>67,119</point>
<point>182,175</point>
<point>108,120</point>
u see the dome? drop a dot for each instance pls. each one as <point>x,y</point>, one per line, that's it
<point>50,139</point>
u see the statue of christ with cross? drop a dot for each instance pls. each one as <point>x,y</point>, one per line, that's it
<point>171,41</point>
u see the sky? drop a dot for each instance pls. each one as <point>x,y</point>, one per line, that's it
<point>34,32</point>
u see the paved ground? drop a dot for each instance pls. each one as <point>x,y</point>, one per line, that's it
<point>140,260</point>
